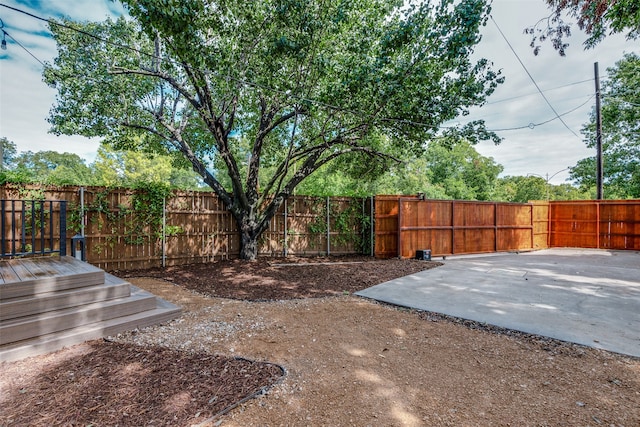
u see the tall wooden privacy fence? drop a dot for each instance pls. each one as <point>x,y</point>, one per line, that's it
<point>446,227</point>
<point>407,224</point>
<point>195,227</point>
<point>602,224</point>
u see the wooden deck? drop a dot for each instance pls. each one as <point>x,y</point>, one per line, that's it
<point>30,276</point>
<point>28,269</point>
<point>50,302</point>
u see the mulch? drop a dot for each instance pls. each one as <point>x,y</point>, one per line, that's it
<point>125,384</point>
<point>269,279</point>
<point>128,385</point>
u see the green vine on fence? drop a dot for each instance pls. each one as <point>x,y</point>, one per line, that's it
<point>346,224</point>
<point>142,218</point>
<point>147,206</point>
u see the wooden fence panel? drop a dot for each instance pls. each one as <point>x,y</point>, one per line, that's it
<point>541,212</point>
<point>620,225</point>
<point>425,225</point>
<point>386,210</point>
<point>604,224</point>
<point>574,225</point>
<point>515,227</point>
<point>407,224</point>
<point>474,228</point>
<point>199,227</point>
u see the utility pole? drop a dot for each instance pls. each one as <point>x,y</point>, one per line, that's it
<point>599,160</point>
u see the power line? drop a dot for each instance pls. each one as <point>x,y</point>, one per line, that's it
<point>25,49</point>
<point>532,79</point>
<point>558,116</point>
<point>86,33</point>
<point>535,93</point>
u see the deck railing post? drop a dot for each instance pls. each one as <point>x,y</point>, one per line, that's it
<point>63,227</point>
<point>2,226</point>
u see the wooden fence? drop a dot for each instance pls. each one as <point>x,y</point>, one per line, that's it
<point>198,228</point>
<point>407,224</point>
<point>602,224</point>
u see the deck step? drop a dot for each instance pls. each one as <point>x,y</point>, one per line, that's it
<point>52,301</point>
<point>32,276</point>
<point>162,312</point>
<point>45,323</point>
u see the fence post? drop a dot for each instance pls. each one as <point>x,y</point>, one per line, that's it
<point>285,244</point>
<point>328,228</point>
<point>597,225</point>
<point>495,227</point>
<point>82,219</point>
<point>399,228</point>
<point>453,227</point>
<point>164,231</point>
<point>2,227</point>
<point>42,226</point>
<point>372,228</point>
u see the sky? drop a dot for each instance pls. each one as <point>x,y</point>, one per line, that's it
<point>546,150</point>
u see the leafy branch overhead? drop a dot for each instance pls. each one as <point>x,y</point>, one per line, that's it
<point>271,91</point>
<point>597,18</point>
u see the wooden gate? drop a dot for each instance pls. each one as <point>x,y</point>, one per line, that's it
<point>602,224</point>
<point>446,227</point>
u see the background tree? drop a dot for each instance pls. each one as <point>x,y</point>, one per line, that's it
<point>128,168</point>
<point>597,18</point>
<point>460,170</point>
<point>407,177</point>
<point>447,169</point>
<point>521,189</point>
<point>570,192</point>
<point>51,167</point>
<point>8,153</point>
<point>304,82</point>
<point>621,134</point>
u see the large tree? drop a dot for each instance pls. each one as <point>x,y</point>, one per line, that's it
<point>304,82</point>
<point>597,18</point>
<point>620,134</point>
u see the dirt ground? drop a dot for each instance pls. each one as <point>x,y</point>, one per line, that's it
<point>348,361</point>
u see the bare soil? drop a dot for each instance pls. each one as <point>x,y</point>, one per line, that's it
<point>348,361</point>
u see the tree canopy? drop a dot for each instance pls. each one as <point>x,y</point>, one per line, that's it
<point>127,168</point>
<point>460,170</point>
<point>46,167</point>
<point>447,169</point>
<point>597,18</point>
<point>287,85</point>
<point>620,113</point>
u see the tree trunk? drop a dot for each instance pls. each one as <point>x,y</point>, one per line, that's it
<point>248,245</point>
<point>250,228</point>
